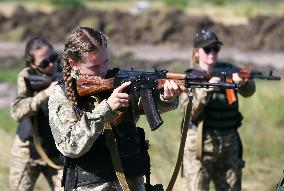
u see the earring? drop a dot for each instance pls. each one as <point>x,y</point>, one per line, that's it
<point>75,74</point>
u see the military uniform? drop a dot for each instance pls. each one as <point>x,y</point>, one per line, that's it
<point>89,165</point>
<point>26,164</point>
<point>221,159</point>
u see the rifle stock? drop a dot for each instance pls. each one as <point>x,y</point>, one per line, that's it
<point>38,83</point>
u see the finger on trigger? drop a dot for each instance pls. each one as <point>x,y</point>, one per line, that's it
<point>120,88</point>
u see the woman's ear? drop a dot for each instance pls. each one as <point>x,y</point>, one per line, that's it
<point>73,64</point>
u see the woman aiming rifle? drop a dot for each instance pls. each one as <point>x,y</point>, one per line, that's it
<point>84,128</point>
<point>213,150</point>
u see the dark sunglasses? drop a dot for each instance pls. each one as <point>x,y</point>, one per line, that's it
<point>215,49</point>
<point>51,59</point>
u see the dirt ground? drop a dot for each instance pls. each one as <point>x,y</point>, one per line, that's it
<point>173,27</point>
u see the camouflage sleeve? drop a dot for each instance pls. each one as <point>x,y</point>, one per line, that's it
<point>183,101</point>
<point>200,100</point>
<point>75,137</point>
<point>167,105</point>
<point>25,103</point>
<point>248,89</point>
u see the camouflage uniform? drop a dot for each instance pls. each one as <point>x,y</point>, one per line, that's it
<point>25,169</point>
<point>74,139</point>
<point>221,160</point>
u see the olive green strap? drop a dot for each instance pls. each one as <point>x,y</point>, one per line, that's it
<point>111,144</point>
<point>184,126</point>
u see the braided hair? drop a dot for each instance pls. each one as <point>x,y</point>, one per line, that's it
<point>79,43</point>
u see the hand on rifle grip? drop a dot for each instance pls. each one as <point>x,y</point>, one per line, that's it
<point>171,89</point>
<point>214,80</point>
<point>237,79</point>
<point>118,99</point>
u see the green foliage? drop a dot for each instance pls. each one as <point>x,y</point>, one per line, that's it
<point>66,2</point>
<point>176,3</point>
<point>218,2</point>
<point>13,35</point>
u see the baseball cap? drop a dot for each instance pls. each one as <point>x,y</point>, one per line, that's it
<point>205,38</point>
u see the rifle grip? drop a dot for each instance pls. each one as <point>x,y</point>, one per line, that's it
<point>152,114</point>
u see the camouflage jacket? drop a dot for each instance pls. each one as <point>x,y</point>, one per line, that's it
<point>27,102</point>
<point>75,137</point>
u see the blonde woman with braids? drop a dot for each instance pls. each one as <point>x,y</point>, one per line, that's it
<point>213,150</point>
<point>78,122</point>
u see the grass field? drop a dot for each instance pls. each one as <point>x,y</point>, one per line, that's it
<point>262,131</point>
<point>262,134</point>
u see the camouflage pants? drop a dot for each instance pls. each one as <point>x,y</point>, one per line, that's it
<point>24,171</point>
<point>221,162</point>
<point>135,184</point>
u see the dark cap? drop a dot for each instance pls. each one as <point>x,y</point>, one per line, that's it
<point>205,38</point>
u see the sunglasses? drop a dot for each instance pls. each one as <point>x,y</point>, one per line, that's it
<point>209,49</point>
<point>51,59</point>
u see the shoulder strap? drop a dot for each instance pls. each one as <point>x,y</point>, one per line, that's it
<point>39,148</point>
<point>111,144</point>
<point>184,129</point>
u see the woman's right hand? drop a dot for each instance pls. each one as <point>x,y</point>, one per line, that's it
<point>118,99</point>
<point>215,80</point>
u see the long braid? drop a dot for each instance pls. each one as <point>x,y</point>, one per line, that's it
<point>80,42</point>
<point>70,92</point>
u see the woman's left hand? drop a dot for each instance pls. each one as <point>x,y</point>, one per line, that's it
<point>172,90</point>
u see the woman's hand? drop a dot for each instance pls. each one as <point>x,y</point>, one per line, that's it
<point>236,78</point>
<point>171,89</point>
<point>215,80</point>
<point>118,99</point>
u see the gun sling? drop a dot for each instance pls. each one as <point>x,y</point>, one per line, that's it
<point>184,126</point>
<point>39,148</point>
<point>199,145</point>
<point>111,144</point>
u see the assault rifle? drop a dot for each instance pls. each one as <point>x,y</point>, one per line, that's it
<point>38,83</point>
<point>145,85</point>
<point>243,73</point>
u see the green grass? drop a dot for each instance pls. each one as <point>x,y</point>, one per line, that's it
<point>10,72</point>
<point>262,136</point>
<point>7,123</point>
<point>8,75</point>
